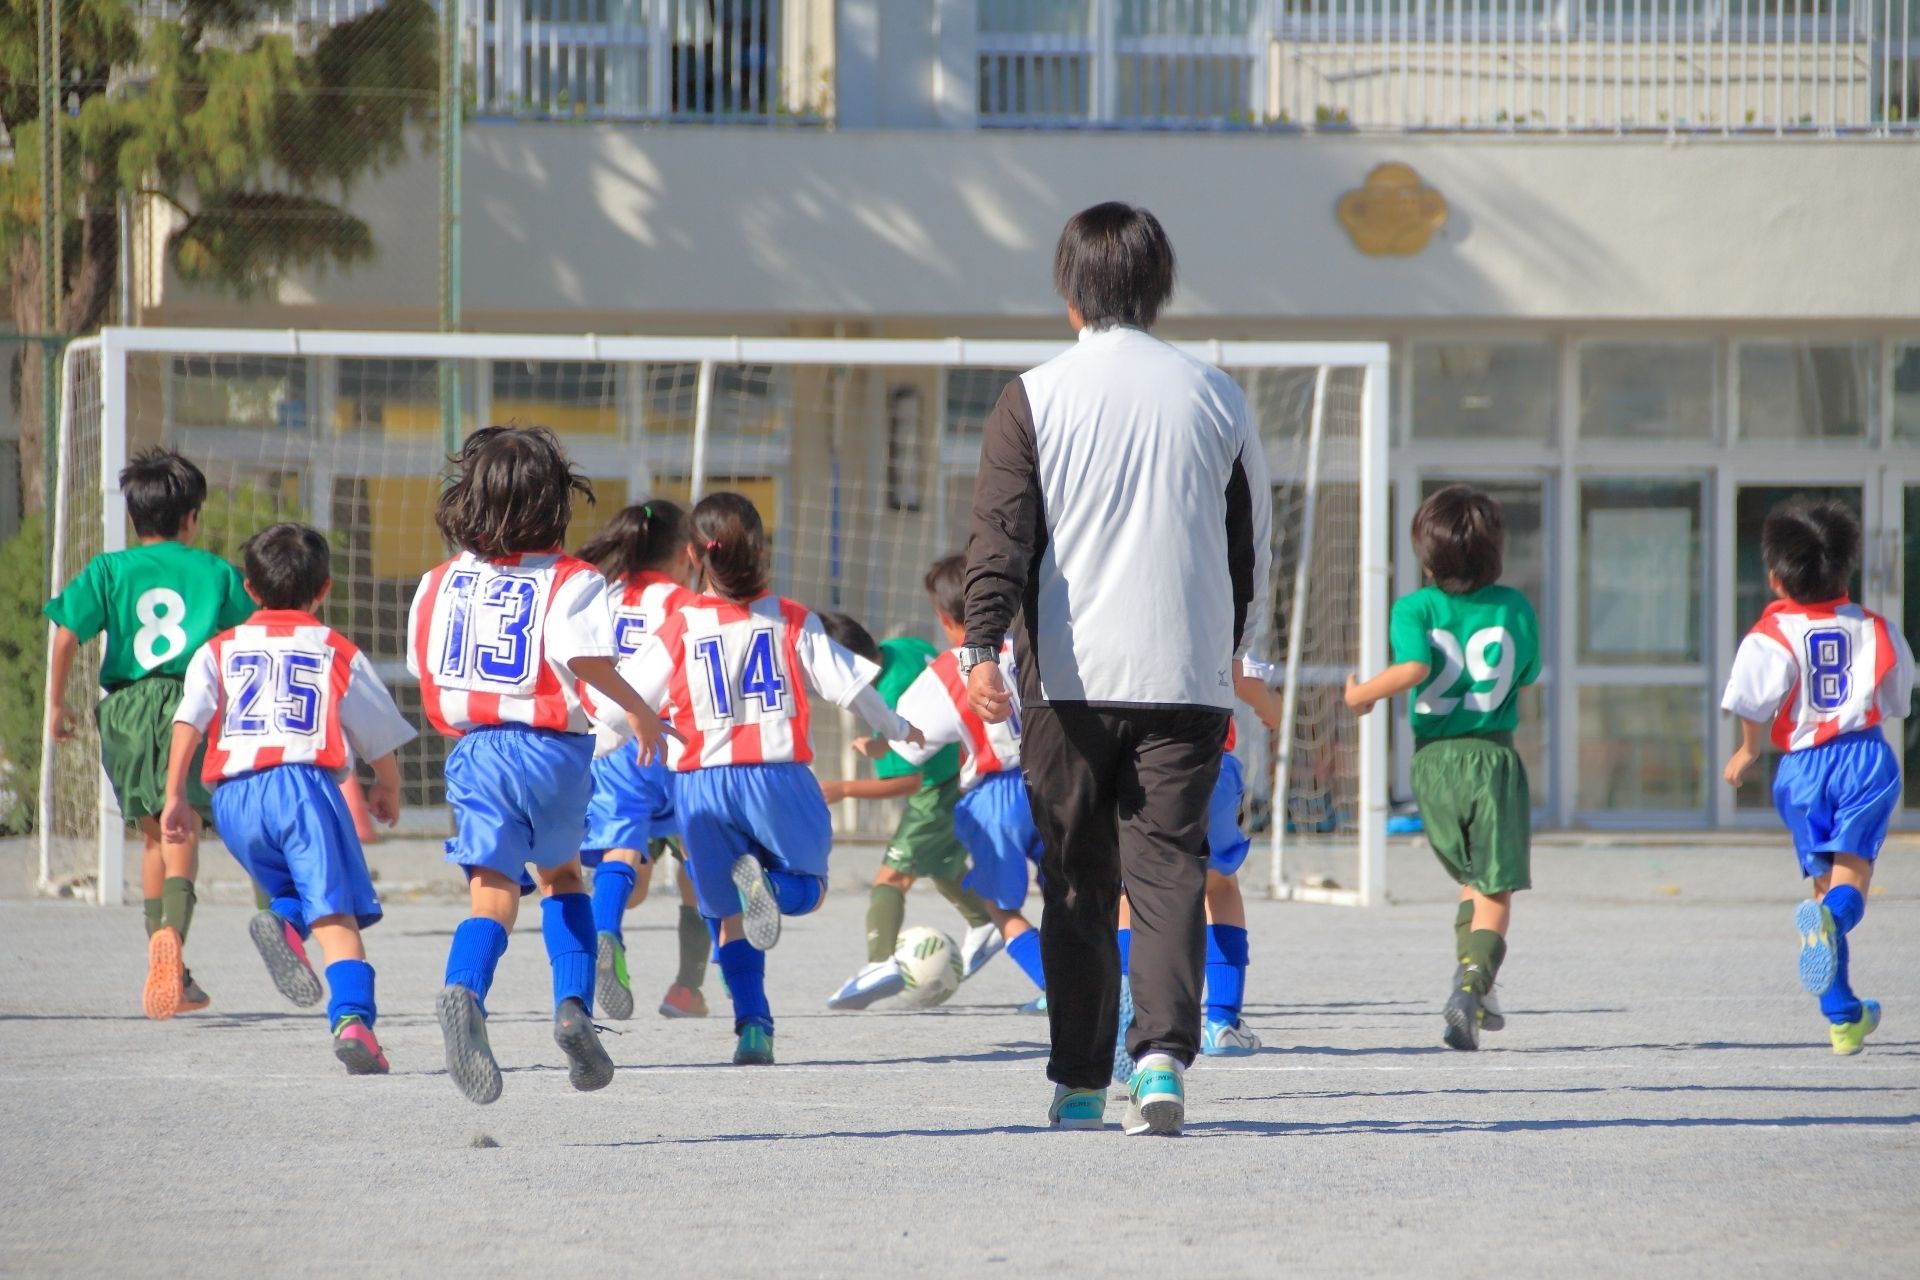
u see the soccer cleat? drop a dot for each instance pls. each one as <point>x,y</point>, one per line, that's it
<point>982,943</point>
<point>757,902</point>
<point>192,998</point>
<point>872,984</point>
<point>286,958</point>
<point>1077,1108</point>
<point>1850,1037</point>
<point>469,1056</point>
<point>1224,1039</point>
<point>166,976</point>
<point>1156,1097</point>
<point>1464,1014</point>
<point>683,1002</point>
<point>1037,1005</point>
<point>611,990</point>
<point>1819,954</point>
<point>1491,1019</point>
<point>1122,1060</point>
<point>588,1066</point>
<point>755,1048</point>
<point>358,1051</point>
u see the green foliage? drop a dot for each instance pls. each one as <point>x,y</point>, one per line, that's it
<point>231,516</point>
<point>23,672</point>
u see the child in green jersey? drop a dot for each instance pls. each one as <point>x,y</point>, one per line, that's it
<point>923,845</point>
<point>157,602</point>
<point>1468,646</point>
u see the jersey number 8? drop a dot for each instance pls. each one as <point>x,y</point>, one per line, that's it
<point>1829,669</point>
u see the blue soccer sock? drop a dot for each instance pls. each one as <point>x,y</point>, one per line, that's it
<point>349,991</point>
<point>566,922</point>
<point>290,910</point>
<point>1125,939</point>
<point>1839,1004</point>
<point>478,944</point>
<point>612,885</point>
<point>1025,951</point>
<point>1845,904</point>
<point>797,894</point>
<point>745,972</point>
<point>1226,972</point>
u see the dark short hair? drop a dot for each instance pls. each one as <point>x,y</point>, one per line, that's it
<point>646,535</point>
<point>732,545</point>
<point>946,582</point>
<point>513,492</point>
<point>1460,538</point>
<point>851,636</point>
<point>287,565</point>
<point>1812,548</point>
<point>1114,265</point>
<point>162,488</point>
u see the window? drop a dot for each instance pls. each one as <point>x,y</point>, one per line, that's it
<point>1906,392</point>
<point>238,391</point>
<point>1807,391</point>
<point>569,397</point>
<point>971,395</point>
<point>1484,390</point>
<point>1649,390</point>
<point>1640,579</point>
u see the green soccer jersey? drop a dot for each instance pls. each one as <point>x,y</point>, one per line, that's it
<point>158,604</point>
<point>903,658</point>
<point>1482,647</point>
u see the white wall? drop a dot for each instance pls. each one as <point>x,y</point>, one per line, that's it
<point>571,227</point>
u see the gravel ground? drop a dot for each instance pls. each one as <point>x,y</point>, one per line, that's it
<point>1664,1103</point>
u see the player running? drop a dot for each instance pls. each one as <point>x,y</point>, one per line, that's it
<point>505,638</point>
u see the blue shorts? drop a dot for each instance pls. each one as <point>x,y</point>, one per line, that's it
<point>519,795</point>
<point>773,811</point>
<point>289,827</point>
<point>1838,798</point>
<point>995,822</point>
<point>1227,844</point>
<point>631,805</point>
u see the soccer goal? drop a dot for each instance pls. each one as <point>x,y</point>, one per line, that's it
<point>861,453</point>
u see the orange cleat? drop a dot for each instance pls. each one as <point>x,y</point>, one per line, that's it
<point>166,976</point>
<point>683,1002</point>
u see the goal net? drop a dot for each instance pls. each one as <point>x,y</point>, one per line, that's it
<point>860,453</point>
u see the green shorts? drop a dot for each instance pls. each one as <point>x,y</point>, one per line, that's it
<point>136,735</point>
<point>1477,810</point>
<point>924,845</point>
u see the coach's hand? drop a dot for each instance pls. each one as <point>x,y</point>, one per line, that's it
<point>987,694</point>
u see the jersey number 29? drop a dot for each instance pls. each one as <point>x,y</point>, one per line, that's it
<point>1443,695</point>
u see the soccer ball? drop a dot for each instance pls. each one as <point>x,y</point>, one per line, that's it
<point>930,962</point>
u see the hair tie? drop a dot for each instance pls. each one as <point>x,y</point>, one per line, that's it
<point>713,546</point>
<point>647,511</point>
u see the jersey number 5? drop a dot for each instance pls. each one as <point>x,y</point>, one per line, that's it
<point>759,675</point>
<point>1442,697</point>
<point>273,692</point>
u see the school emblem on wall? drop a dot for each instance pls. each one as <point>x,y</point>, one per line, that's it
<point>1393,213</point>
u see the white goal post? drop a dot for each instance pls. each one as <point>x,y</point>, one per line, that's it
<point>860,451</point>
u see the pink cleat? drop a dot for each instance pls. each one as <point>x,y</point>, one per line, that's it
<point>354,1045</point>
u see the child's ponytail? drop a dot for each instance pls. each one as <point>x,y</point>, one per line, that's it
<point>731,544</point>
<point>645,536</point>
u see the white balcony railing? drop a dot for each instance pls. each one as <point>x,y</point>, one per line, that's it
<point>1555,65</point>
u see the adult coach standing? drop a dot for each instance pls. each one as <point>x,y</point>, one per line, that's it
<point>1122,512</point>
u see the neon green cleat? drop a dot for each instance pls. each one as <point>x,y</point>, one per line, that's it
<point>755,1048</point>
<point>1851,1037</point>
<point>612,992</point>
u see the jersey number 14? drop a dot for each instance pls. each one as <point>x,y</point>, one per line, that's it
<point>760,678</point>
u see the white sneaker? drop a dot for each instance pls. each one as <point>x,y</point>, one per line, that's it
<point>874,982</point>
<point>982,943</point>
<point>1158,1097</point>
<point>1228,1040</point>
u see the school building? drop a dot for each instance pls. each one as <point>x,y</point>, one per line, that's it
<point>1646,270</point>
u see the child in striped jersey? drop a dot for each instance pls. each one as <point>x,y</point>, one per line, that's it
<point>993,817</point>
<point>285,703</point>
<point>506,639</point>
<point>733,669</point>
<point>643,551</point>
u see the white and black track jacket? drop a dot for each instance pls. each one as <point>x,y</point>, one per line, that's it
<point>1123,511</point>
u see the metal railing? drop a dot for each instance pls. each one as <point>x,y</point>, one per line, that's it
<point>1540,65</point>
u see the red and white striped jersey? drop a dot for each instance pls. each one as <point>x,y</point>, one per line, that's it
<point>1818,671</point>
<point>733,680</point>
<point>936,702</point>
<point>285,688</point>
<point>490,640</point>
<point>641,606</point>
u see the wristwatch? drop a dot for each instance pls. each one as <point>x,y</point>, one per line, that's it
<point>972,655</point>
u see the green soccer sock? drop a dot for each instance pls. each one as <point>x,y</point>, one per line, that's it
<point>176,905</point>
<point>153,915</point>
<point>262,900</point>
<point>971,906</point>
<point>695,942</point>
<point>1462,926</point>
<point>1485,950</point>
<point>886,910</point>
